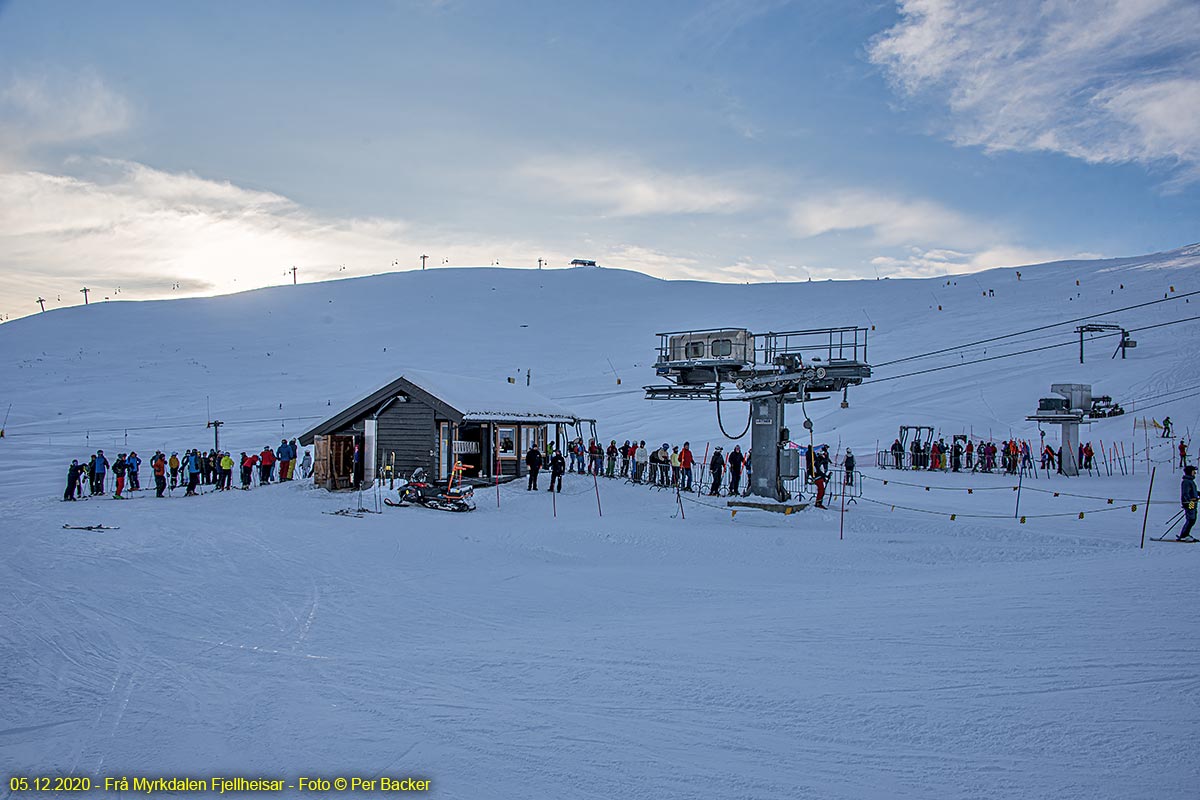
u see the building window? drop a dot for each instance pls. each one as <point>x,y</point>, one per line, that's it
<point>722,348</point>
<point>693,350</point>
<point>530,436</point>
<point>506,442</point>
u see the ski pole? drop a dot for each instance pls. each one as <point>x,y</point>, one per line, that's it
<point>597,485</point>
<point>1146,515</point>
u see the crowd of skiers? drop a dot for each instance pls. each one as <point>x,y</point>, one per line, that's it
<point>1009,457</point>
<point>194,469</point>
<point>669,466</point>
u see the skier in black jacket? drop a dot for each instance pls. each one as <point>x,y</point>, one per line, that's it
<point>558,465</point>
<point>849,464</point>
<point>717,467</point>
<point>72,479</point>
<point>533,460</point>
<point>735,469</point>
<point>1187,498</point>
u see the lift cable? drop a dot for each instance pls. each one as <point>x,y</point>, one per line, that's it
<point>1022,352</point>
<point>1033,330</point>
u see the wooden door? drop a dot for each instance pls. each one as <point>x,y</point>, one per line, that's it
<point>321,461</point>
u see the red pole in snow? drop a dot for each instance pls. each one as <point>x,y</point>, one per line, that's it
<point>1146,515</point>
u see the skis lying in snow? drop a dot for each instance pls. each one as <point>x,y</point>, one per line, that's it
<point>344,512</point>
<point>387,501</point>
<point>92,527</point>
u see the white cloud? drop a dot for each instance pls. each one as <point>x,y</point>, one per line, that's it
<point>55,108</point>
<point>627,190</point>
<point>888,220</point>
<point>145,230</point>
<point>924,237</point>
<point>1111,81</point>
<point>916,262</point>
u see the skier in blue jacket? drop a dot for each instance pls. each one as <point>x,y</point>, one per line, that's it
<point>193,468</point>
<point>98,472</point>
<point>132,462</point>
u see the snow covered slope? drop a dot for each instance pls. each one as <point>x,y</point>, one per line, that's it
<point>514,653</point>
<point>276,358</point>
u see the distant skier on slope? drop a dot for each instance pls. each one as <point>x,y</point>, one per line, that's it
<point>1166,434</point>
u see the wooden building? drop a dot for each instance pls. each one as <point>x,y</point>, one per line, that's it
<point>431,420</point>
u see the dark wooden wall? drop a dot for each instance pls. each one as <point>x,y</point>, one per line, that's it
<point>408,430</point>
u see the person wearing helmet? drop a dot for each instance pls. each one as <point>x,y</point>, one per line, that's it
<point>1187,498</point>
<point>849,464</point>
<point>610,467</point>
<point>664,465</point>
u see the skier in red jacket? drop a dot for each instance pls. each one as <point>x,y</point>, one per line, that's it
<point>685,466</point>
<point>266,465</point>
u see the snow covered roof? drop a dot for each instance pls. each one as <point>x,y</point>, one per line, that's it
<point>477,399</point>
<point>459,397</point>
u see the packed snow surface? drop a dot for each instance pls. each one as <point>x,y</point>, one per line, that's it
<point>612,640</point>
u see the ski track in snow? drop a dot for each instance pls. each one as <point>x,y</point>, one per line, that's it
<point>508,654</point>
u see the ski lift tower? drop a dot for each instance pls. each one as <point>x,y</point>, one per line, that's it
<point>767,370</point>
<point>1069,409</point>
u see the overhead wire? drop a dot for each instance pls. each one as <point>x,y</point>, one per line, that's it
<point>1020,352</point>
<point>1034,329</point>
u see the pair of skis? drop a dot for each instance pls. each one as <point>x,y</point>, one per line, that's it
<point>92,528</point>
<point>1166,537</point>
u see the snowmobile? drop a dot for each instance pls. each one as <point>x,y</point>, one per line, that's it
<point>423,491</point>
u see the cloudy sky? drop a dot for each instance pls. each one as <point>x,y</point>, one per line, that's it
<point>166,149</point>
